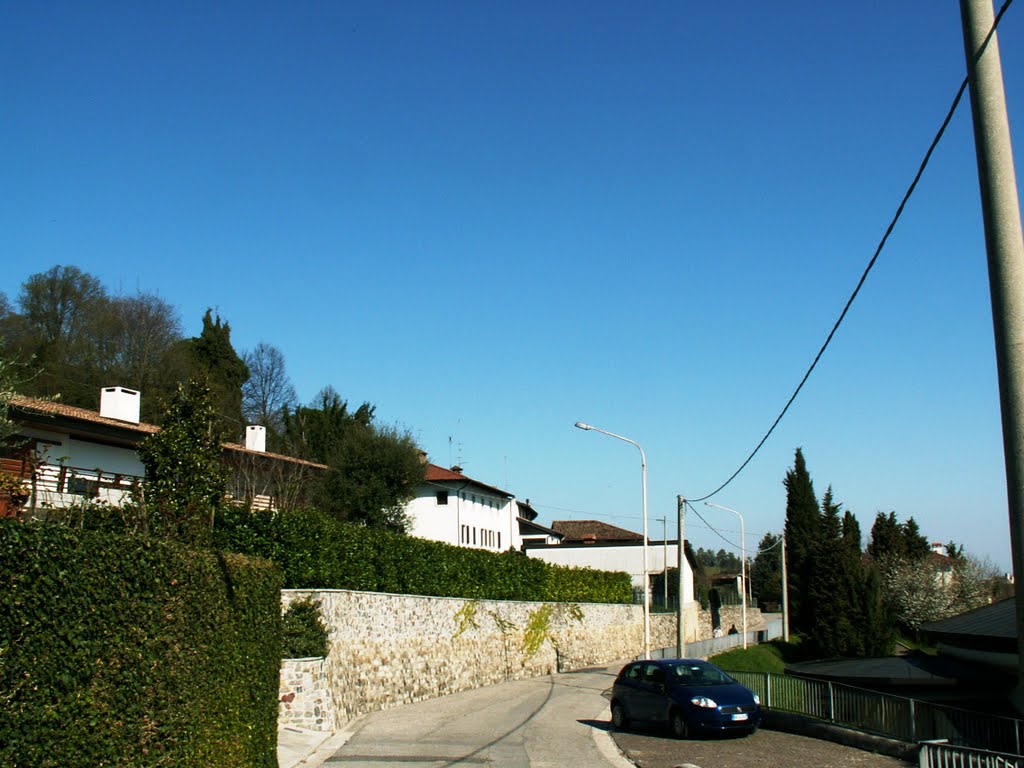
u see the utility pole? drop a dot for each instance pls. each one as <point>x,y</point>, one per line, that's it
<point>664,557</point>
<point>681,556</point>
<point>785,592</point>
<point>1005,248</point>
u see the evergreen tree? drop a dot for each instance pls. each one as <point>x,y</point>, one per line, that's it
<point>185,473</point>
<point>374,470</point>
<point>832,620</point>
<point>878,626</point>
<point>915,544</point>
<point>803,533</point>
<point>213,360</point>
<point>766,572</point>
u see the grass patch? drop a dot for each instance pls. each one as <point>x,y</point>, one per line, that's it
<point>913,644</point>
<point>766,657</point>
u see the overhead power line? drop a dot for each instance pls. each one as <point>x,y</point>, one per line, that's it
<point>867,270</point>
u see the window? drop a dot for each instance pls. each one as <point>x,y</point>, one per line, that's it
<point>499,547</point>
<point>474,538</point>
<point>83,486</point>
<point>442,498</point>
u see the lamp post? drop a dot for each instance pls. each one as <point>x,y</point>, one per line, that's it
<point>743,563</point>
<point>643,477</point>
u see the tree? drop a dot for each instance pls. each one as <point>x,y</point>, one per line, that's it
<point>314,432</point>
<point>892,539</point>
<point>214,361</point>
<point>766,573</point>
<point>268,391</point>
<point>143,329</point>
<point>803,532</point>
<point>185,474</point>
<point>58,329</point>
<point>832,585</point>
<point>374,473</point>
<point>8,428</point>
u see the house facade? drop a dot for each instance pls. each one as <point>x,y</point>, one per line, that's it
<point>66,455</point>
<point>456,509</point>
<point>594,544</point>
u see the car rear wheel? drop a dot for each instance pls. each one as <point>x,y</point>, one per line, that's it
<point>620,720</point>
<point>677,722</point>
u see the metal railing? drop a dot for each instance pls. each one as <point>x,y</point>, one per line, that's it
<point>59,485</point>
<point>942,755</point>
<point>702,649</point>
<point>894,717</point>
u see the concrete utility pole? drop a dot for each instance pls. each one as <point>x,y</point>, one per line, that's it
<point>681,556</point>
<point>664,557</point>
<point>785,592</point>
<point>1005,246</point>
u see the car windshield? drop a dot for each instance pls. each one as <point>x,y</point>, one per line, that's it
<point>697,673</point>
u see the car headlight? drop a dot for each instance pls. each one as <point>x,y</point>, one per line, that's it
<point>703,701</point>
<point>757,700</point>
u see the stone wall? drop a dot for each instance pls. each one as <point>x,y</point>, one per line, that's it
<point>387,650</point>
<point>306,699</point>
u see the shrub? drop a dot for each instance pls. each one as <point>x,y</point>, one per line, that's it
<point>126,651</point>
<point>303,631</point>
<point>318,552</point>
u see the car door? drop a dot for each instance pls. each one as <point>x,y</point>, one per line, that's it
<point>650,695</point>
<point>629,689</point>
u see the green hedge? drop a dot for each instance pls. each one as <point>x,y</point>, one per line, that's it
<point>317,552</point>
<point>124,651</point>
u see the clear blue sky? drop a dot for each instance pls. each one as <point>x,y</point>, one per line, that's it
<point>493,220</point>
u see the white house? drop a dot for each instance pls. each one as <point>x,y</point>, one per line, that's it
<point>593,544</point>
<point>456,509</point>
<point>67,454</point>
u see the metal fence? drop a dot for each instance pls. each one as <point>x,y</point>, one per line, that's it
<point>895,717</point>
<point>941,755</point>
<point>702,649</point>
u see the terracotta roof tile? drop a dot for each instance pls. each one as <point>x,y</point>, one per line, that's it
<point>436,474</point>
<point>54,408</point>
<point>593,530</point>
<point>44,408</point>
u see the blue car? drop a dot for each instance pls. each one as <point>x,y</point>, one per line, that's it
<point>687,695</point>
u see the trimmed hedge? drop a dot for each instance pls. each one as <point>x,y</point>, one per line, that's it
<point>126,651</point>
<point>304,633</point>
<point>317,552</point>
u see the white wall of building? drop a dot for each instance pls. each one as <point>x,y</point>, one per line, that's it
<point>60,453</point>
<point>471,517</point>
<point>628,558</point>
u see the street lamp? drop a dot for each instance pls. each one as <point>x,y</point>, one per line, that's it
<point>643,477</point>
<point>743,563</point>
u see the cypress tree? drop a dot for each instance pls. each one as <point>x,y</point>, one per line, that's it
<point>803,533</point>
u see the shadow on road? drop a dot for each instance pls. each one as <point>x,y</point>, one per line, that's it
<point>599,725</point>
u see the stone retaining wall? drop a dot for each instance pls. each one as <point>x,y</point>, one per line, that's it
<point>387,650</point>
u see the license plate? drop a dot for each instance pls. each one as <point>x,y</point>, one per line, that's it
<point>741,716</point>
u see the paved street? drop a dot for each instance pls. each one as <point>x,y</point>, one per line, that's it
<point>558,721</point>
<point>764,749</point>
<point>548,722</point>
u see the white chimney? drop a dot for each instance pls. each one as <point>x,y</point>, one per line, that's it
<point>120,403</point>
<point>256,438</point>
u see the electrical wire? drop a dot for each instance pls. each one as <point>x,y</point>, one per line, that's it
<point>874,258</point>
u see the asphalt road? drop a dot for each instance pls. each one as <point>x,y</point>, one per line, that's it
<point>559,721</point>
<point>548,722</point>
<point>764,749</point>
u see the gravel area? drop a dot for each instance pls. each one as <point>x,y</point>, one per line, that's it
<point>764,749</point>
